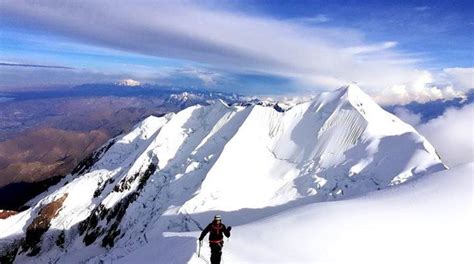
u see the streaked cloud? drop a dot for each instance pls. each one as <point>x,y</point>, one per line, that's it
<point>28,78</point>
<point>317,19</point>
<point>371,48</point>
<point>308,52</point>
<point>5,64</point>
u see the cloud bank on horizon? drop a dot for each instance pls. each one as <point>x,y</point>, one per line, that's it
<point>452,133</point>
<point>216,46</point>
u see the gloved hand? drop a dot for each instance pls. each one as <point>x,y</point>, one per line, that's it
<point>229,228</point>
<point>200,243</point>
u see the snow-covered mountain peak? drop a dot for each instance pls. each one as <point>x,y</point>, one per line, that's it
<point>353,94</point>
<point>244,161</point>
<point>128,82</point>
<point>351,88</point>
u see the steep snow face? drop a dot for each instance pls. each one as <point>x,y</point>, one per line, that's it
<point>337,145</point>
<point>174,171</point>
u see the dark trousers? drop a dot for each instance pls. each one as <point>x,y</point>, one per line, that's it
<point>216,252</point>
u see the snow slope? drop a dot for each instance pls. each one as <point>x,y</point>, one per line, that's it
<point>244,161</point>
<point>428,220</point>
<point>340,143</point>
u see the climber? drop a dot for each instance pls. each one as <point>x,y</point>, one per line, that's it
<point>216,238</point>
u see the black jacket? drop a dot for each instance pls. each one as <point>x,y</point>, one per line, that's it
<point>217,232</point>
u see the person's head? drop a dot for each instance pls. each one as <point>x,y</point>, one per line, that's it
<point>217,219</point>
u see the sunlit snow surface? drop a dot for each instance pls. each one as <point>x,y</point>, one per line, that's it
<point>428,220</point>
<point>245,162</point>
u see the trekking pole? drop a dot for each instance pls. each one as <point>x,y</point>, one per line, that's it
<point>199,250</point>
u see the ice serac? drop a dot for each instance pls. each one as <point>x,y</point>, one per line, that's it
<point>246,161</point>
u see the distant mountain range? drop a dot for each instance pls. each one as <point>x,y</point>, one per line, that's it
<point>45,134</point>
<point>121,89</point>
<point>433,109</point>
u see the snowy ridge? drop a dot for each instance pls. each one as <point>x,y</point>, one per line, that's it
<point>173,171</point>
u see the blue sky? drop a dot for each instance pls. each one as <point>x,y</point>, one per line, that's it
<point>255,47</point>
<point>440,30</point>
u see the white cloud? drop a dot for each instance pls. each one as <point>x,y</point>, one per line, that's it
<point>371,48</point>
<point>452,134</point>
<point>321,18</point>
<point>315,57</point>
<point>461,78</point>
<point>422,89</point>
<point>407,116</point>
<point>232,41</point>
<point>208,78</point>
